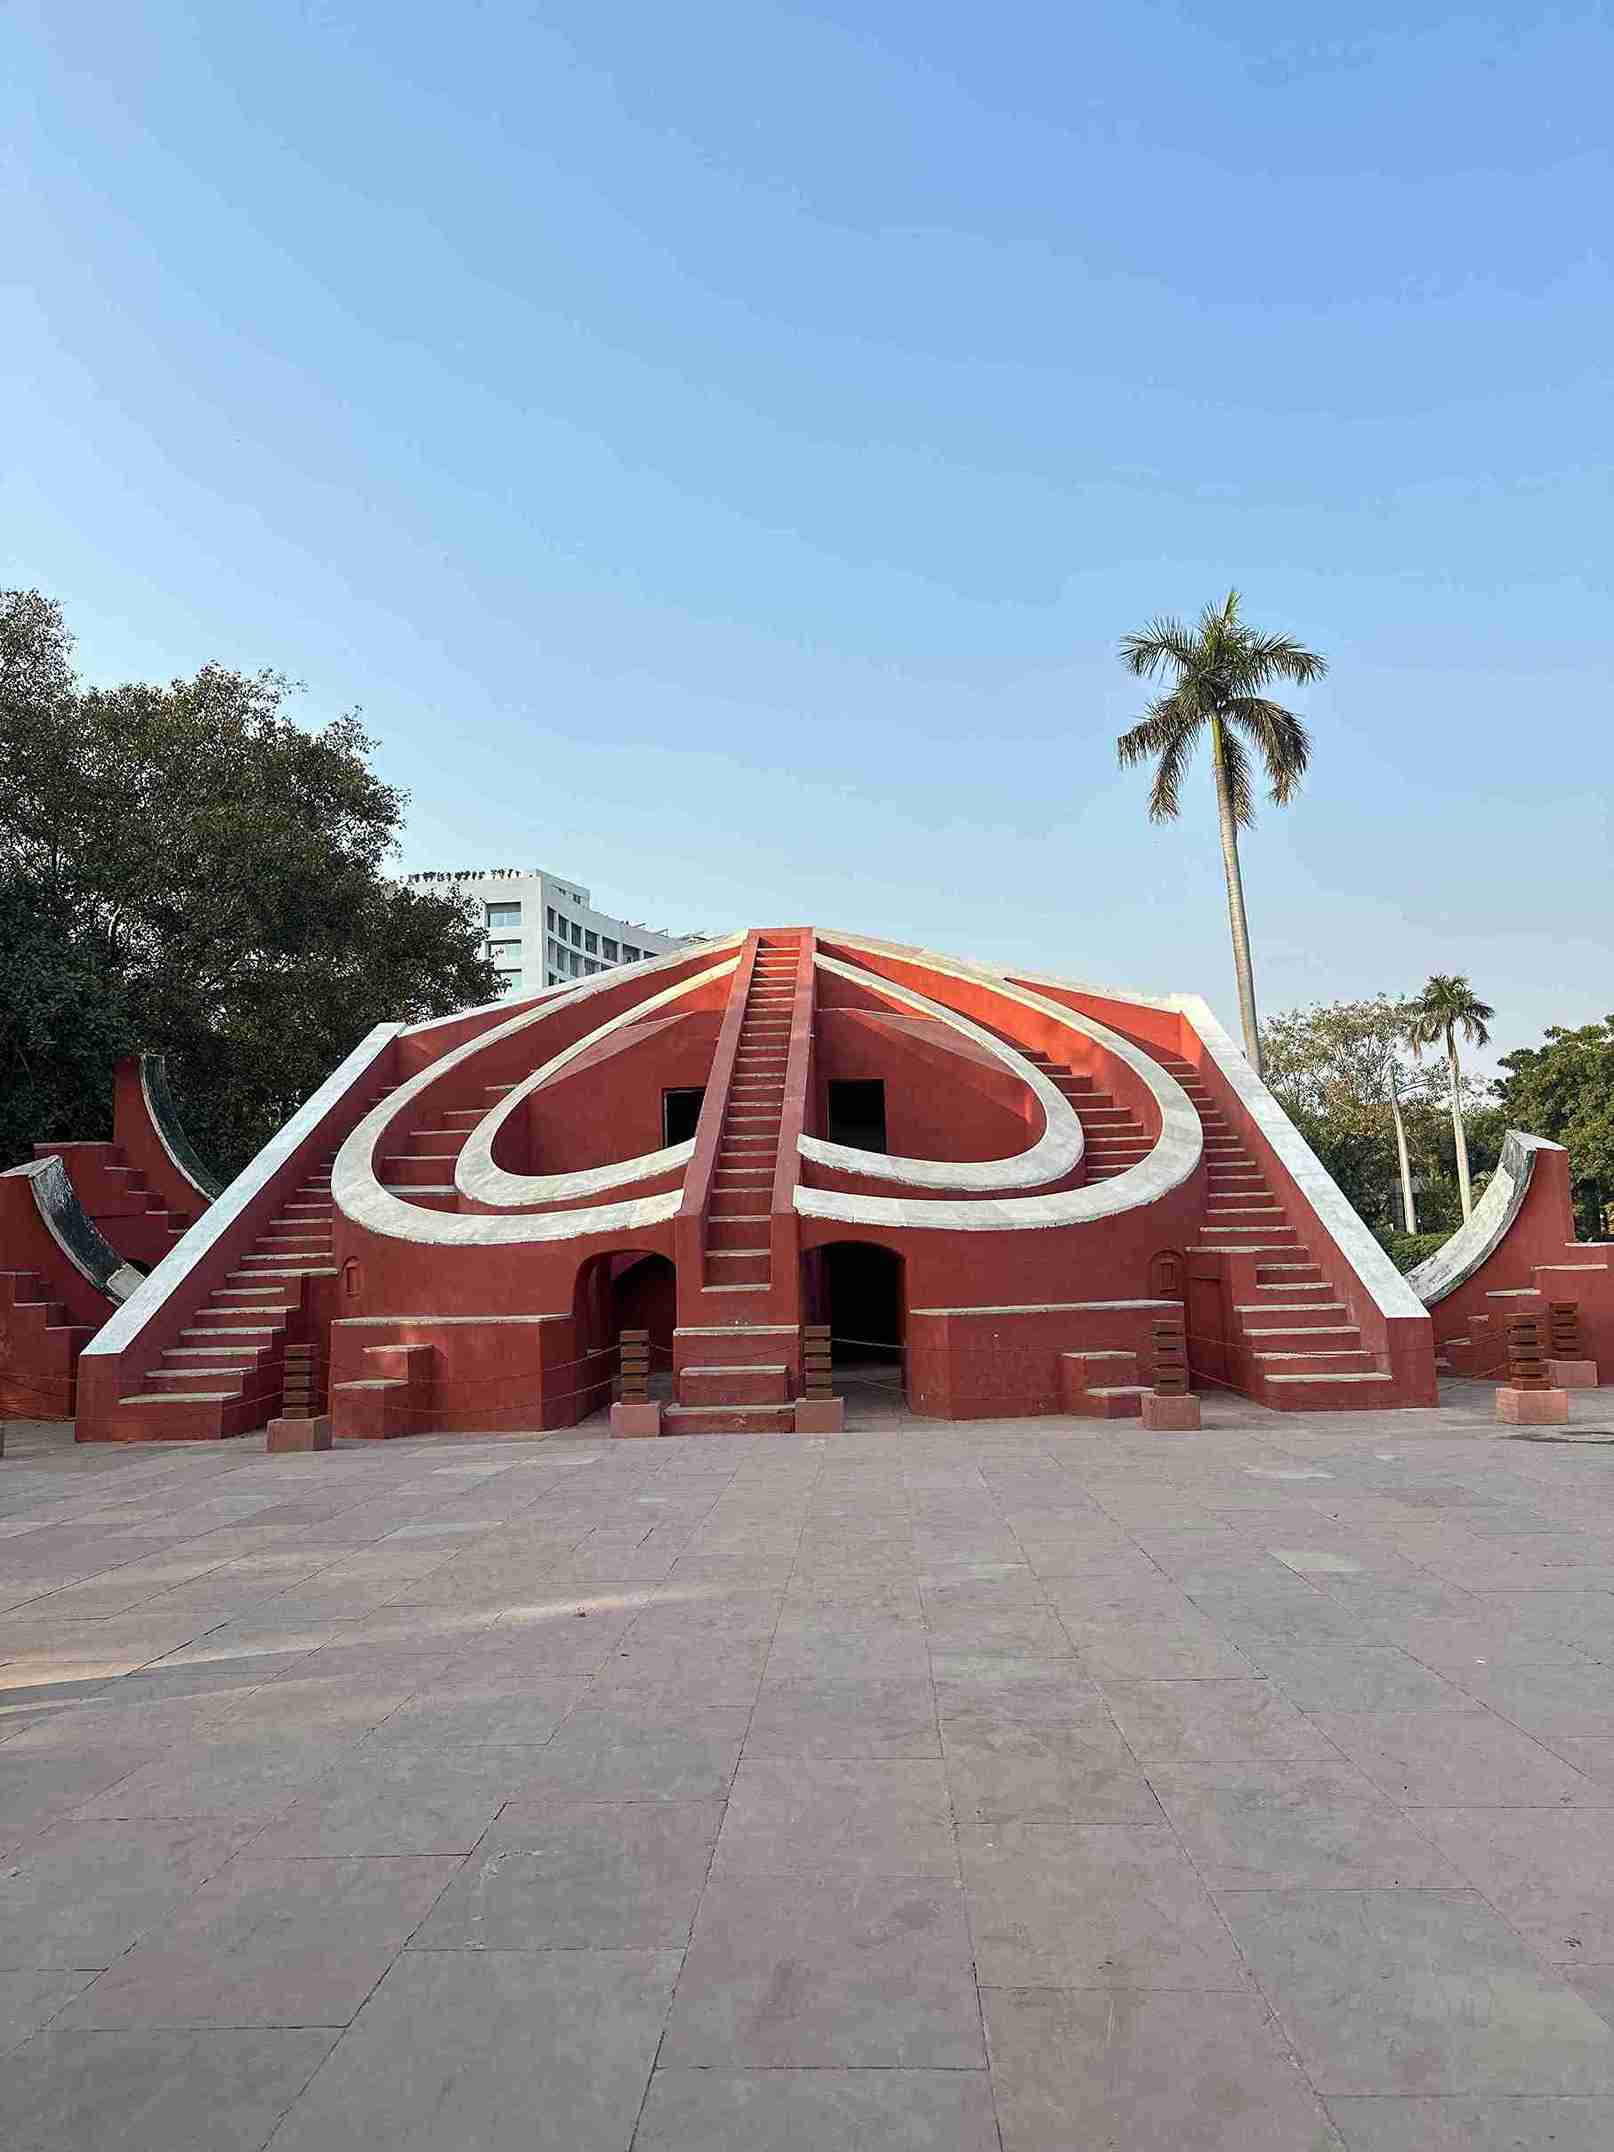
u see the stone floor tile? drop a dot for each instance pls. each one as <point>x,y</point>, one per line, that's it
<point>1546,1700</point>
<point>269,1942</point>
<point>225,1775</point>
<point>81,1893</point>
<point>496,2051</point>
<point>465,1712</point>
<point>877,1716</point>
<point>398,1800</point>
<point>154,2091</point>
<point>801,1814</point>
<point>1091,1906</point>
<point>1448,1759</point>
<point>1494,2122</point>
<point>1209,1721</point>
<point>617,1876</point>
<point>1078,2068</point>
<point>818,2110</point>
<point>1374,1678</point>
<point>827,1971</point>
<point>1548,1872</point>
<point>39,1785</point>
<point>30,1996</point>
<point>1416,1991</point>
<point>1595,1985</point>
<point>1254,1839</point>
<point>634,1750</point>
<point>1046,1789</point>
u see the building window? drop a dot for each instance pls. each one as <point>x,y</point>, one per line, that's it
<point>503,916</point>
<point>680,1113</point>
<point>591,941</point>
<point>549,917</point>
<point>608,948</point>
<point>575,963</point>
<point>505,952</point>
<point>630,955</point>
<point>857,1114</point>
<point>510,978</point>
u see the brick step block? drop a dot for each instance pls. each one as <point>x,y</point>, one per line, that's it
<point>764,1383</point>
<point>729,1419</point>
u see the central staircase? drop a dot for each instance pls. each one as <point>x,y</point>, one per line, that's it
<point>734,1374</point>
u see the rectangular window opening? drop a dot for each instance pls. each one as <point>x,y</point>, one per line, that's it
<point>857,1114</point>
<point>680,1113</point>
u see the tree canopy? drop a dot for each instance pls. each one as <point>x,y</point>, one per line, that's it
<point>1331,1066</point>
<point>186,869</point>
<point>1564,1089</point>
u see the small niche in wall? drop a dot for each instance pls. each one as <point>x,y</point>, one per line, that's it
<point>680,1113</point>
<point>857,1114</point>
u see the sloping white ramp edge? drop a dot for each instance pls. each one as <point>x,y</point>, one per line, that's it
<point>358,1192</point>
<point>1477,1239</point>
<point>1176,1152</point>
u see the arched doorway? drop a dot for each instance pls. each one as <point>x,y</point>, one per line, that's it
<point>630,1289</point>
<point>857,1288</point>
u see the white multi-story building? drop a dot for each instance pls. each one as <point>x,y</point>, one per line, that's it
<point>543,930</point>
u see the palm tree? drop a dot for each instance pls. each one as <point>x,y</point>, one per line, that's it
<point>1220,671</point>
<point>1447,1005</point>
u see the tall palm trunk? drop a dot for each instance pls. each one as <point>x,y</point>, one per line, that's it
<point>1458,1131</point>
<point>1409,1209</point>
<point>1236,918</point>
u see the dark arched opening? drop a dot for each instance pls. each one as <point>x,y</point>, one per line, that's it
<point>631,1289</point>
<point>857,1288</point>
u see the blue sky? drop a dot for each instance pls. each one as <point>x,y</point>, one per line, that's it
<point>719,446</point>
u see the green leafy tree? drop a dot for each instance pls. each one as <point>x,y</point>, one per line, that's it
<point>1447,1005</point>
<point>220,873</point>
<point>1344,1072</point>
<point>1564,1089</point>
<point>1219,673</point>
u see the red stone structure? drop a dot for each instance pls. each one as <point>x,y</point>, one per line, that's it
<point>996,1190</point>
<point>80,1224</point>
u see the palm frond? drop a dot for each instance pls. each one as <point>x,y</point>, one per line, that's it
<point>1236,771</point>
<point>1163,642</point>
<point>1270,657</point>
<point>1165,794</point>
<point>1168,718</point>
<point>1283,740</point>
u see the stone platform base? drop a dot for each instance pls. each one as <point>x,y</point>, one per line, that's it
<point>1573,1374</point>
<point>1171,1415</point>
<point>820,1415</point>
<point>1532,1408</point>
<point>632,1420</point>
<point>314,1433</point>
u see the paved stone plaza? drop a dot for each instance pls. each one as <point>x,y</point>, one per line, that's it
<point>1038,1782</point>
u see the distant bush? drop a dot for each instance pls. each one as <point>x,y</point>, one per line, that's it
<point>1408,1250</point>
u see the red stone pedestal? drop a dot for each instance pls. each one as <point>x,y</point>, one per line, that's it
<point>1573,1374</point>
<point>1170,1415</point>
<point>1532,1408</point>
<point>820,1415</point>
<point>313,1433</point>
<point>629,1420</point>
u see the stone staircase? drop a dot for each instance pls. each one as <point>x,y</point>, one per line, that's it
<point>1298,1342</point>
<point>735,1376</point>
<point>740,1204</point>
<point>124,1206</point>
<point>223,1377</point>
<point>39,1349</point>
<point>1114,1136</point>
